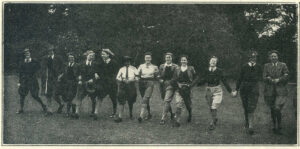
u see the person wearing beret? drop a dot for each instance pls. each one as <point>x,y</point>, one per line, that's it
<point>275,76</point>
<point>51,68</point>
<point>67,85</point>
<point>28,82</point>
<point>166,72</point>
<point>108,69</point>
<point>147,74</point>
<point>87,78</point>
<point>248,87</point>
<point>184,79</point>
<point>127,91</point>
<point>213,76</point>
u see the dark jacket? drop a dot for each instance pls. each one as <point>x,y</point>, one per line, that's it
<point>191,74</point>
<point>108,72</point>
<point>214,78</point>
<point>162,67</point>
<point>275,72</point>
<point>55,67</point>
<point>27,71</point>
<point>87,72</point>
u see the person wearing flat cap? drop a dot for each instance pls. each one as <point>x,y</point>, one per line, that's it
<point>67,86</point>
<point>28,82</point>
<point>52,67</point>
<point>248,87</point>
<point>108,69</point>
<point>87,77</point>
<point>275,76</point>
<point>147,74</point>
<point>127,90</point>
<point>166,72</point>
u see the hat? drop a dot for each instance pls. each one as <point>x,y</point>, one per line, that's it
<point>169,53</point>
<point>273,51</point>
<point>88,52</point>
<point>108,52</point>
<point>148,53</point>
<point>252,54</point>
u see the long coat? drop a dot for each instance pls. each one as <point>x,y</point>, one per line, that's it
<point>275,72</point>
<point>49,74</point>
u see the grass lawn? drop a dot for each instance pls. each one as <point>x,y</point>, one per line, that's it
<point>33,127</point>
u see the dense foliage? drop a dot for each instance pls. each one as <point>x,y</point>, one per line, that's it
<point>197,30</point>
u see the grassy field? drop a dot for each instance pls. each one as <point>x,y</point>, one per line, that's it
<point>34,128</point>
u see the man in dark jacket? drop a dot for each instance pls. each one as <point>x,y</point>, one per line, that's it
<point>108,69</point>
<point>275,76</point>
<point>87,83</point>
<point>28,68</point>
<point>51,69</point>
<point>67,83</point>
<point>249,89</point>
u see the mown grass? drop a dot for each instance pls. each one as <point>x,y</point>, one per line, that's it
<point>34,128</point>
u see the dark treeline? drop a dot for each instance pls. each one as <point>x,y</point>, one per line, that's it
<point>197,30</point>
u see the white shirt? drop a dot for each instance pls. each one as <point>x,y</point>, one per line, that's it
<point>132,73</point>
<point>107,60</point>
<point>70,64</point>
<point>88,62</point>
<point>251,64</point>
<point>147,71</point>
<point>274,64</point>
<point>183,68</point>
<point>52,56</point>
<point>212,68</point>
<point>168,64</point>
<point>28,61</point>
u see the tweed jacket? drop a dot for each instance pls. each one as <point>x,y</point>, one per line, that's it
<point>275,72</point>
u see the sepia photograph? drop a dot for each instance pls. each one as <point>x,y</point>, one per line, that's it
<point>149,73</point>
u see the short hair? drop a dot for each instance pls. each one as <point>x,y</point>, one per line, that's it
<point>169,53</point>
<point>214,58</point>
<point>183,55</point>
<point>148,53</point>
<point>252,53</point>
<point>273,51</point>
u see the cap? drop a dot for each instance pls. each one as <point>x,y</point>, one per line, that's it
<point>88,52</point>
<point>108,51</point>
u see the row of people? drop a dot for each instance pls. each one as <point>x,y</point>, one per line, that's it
<point>95,79</point>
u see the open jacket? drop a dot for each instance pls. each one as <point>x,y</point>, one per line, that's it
<point>275,72</point>
<point>191,73</point>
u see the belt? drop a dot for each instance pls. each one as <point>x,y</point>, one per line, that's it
<point>147,79</point>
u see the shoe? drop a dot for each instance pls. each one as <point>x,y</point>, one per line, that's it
<point>215,121</point>
<point>176,124</point>
<point>140,120</point>
<point>148,117</point>
<point>48,113</point>
<point>95,117</point>
<point>250,131</point>
<point>20,112</point>
<point>112,115</point>
<point>44,108</point>
<point>162,122</point>
<point>59,110</point>
<point>118,120</point>
<point>75,116</point>
<point>212,126</point>
<point>189,119</point>
<point>92,114</point>
<point>274,130</point>
<point>131,117</point>
<point>172,116</point>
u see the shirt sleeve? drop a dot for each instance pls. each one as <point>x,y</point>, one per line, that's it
<point>119,75</point>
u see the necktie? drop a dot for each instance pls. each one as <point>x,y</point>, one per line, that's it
<point>126,73</point>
